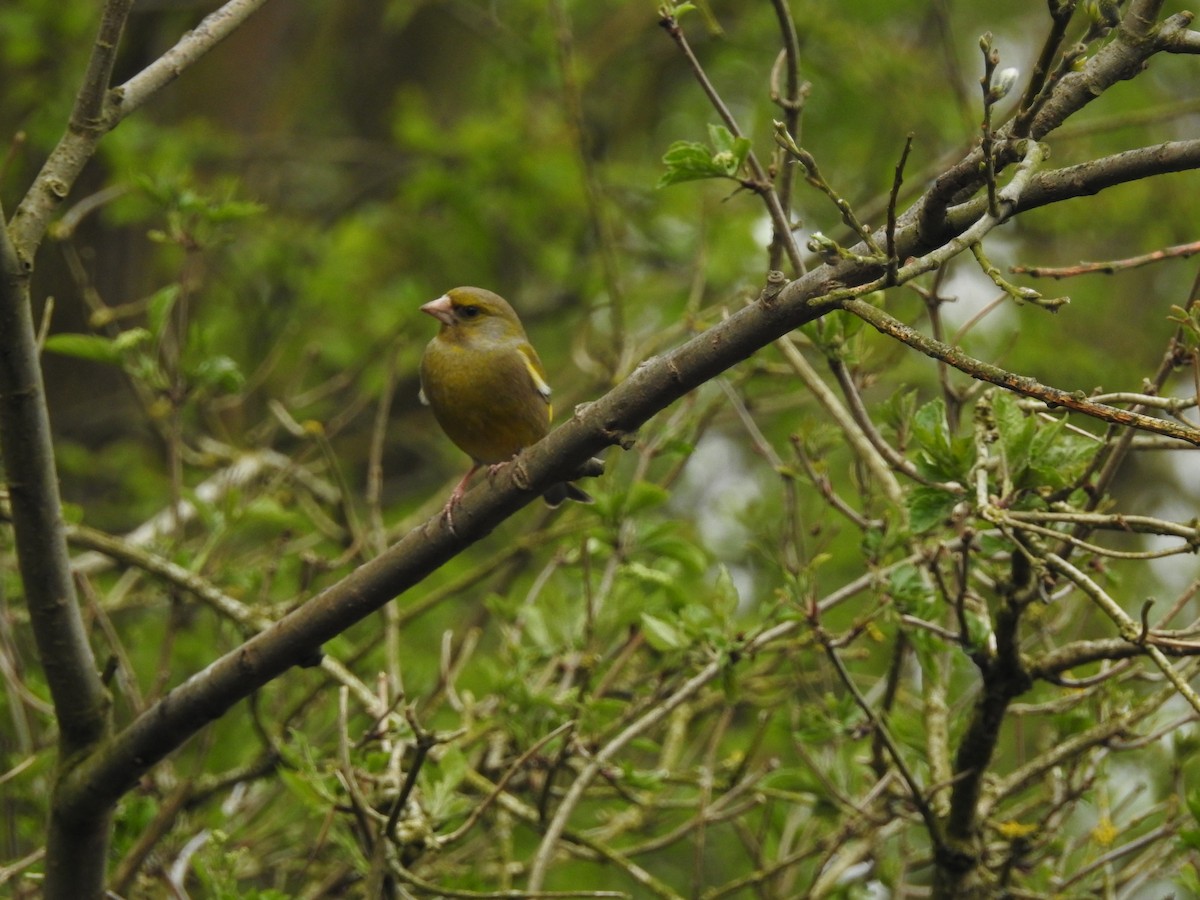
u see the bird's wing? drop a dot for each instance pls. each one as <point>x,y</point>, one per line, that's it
<point>537,374</point>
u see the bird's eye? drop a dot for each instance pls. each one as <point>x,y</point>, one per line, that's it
<point>469,312</point>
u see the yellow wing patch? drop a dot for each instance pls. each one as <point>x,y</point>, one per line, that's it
<point>534,367</point>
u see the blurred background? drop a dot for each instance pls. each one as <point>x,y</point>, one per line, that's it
<point>253,248</point>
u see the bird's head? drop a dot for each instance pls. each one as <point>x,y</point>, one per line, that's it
<point>467,313</point>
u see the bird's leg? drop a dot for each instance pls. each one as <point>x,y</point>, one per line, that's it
<point>456,496</point>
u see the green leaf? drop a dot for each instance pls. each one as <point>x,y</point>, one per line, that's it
<point>453,765</point>
<point>688,161</point>
<point>729,152</point>
<point>725,595</point>
<point>899,409</point>
<point>677,10</point>
<point>793,780</point>
<point>1188,321</point>
<point>1058,457</point>
<point>665,542</point>
<point>928,507</point>
<point>929,425</point>
<point>907,588</point>
<point>644,495</point>
<point>662,635</point>
<point>939,455</point>
<point>539,630</point>
<point>692,161</point>
<point>85,346</point>
<point>649,575</point>
<point>979,629</point>
<point>697,620</point>
<point>305,788</point>
<point>219,372</point>
<point>232,210</point>
<point>159,307</point>
<point>1193,803</point>
<point>1016,431</point>
<point>131,339</point>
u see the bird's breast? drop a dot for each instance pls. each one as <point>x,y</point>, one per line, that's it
<point>485,400</point>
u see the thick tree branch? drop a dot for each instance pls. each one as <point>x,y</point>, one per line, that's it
<point>1092,177</point>
<point>1051,665</point>
<point>75,851</point>
<point>79,698</point>
<point>1139,37</point>
<point>1182,41</point>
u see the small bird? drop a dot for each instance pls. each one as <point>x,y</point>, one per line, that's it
<point>486,386</point>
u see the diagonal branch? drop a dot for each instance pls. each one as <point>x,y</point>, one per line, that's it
<point>213,29</point>
<point>762,184</point>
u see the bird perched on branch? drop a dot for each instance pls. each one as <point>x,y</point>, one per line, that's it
<point>486,386</point>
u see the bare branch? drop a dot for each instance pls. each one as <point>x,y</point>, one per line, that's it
<point>1181,41</point>
<point>1180,251</point>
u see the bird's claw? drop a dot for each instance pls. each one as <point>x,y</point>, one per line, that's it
<point>448,516</point>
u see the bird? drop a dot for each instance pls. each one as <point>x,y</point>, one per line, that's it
<point>486,386</point>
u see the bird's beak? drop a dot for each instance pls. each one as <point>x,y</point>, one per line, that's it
<point>441,309</point>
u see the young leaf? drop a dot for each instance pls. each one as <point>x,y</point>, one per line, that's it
<point>219,372</point>
<point>725,594</point>
<point>662,635</point>
<point>85,346</point>
<point>939,454</point>
<point>691,160</point>
<point>688,161</point>
<point>928,507</point>
<point>729,152</point>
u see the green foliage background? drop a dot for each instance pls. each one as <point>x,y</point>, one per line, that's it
<point>261,241</point>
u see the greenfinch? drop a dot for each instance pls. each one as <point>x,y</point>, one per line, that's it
<point>485,384</point>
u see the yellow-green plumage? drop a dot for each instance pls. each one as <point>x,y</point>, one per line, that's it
<point>485,384</point>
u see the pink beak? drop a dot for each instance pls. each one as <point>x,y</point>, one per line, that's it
<point>441,309</point>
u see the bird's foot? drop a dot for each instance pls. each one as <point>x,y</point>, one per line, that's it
<point>448,518</point>
<point>456,496</point>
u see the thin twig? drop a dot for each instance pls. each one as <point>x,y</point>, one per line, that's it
<point>932,823</point>
<point>1128,627</point>
<point>893,198</point>
<point>1020,384</point>
<point>779,218</point>
<point>1109,267</point>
